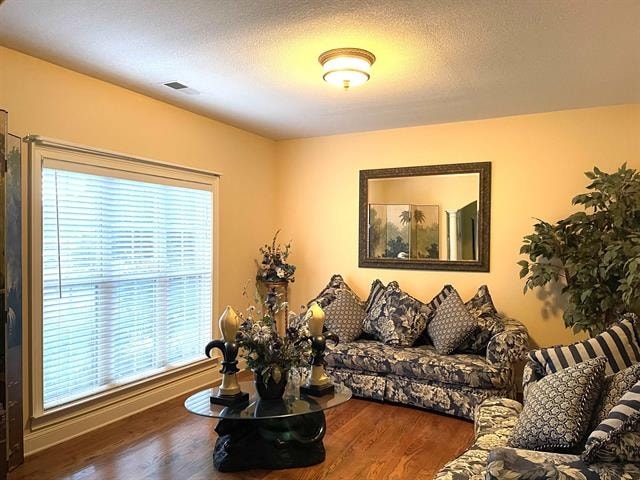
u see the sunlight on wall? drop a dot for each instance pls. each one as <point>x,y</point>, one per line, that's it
<point>537,161</point>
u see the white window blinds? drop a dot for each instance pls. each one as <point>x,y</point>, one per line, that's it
<point>126,277</point>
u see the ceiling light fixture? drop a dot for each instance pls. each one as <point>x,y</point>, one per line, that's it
<point>346,67</point>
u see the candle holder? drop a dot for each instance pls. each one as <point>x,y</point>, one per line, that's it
<point>229,393</point>
<point>318,383</point>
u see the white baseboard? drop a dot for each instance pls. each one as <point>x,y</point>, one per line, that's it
<point>70,428</point>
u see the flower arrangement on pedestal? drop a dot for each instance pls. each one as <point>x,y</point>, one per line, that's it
<point>268,354</point>
<point>274,266</point>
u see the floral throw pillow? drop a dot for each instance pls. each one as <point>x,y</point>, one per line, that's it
<point>489,322</point>
<point>451,324</point>
<point>378,325</point>
<point>409,315</point>
<point>328,293</point>
<point>558,409</point>
<point>345,315</point>
<point>617,438</point>
<point>397,318</point>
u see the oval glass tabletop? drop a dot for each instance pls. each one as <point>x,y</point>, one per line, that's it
<point>291,404</point>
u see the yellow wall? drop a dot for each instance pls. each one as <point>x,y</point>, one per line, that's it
<point>309,187</point>
<point>537,161</point>
<point>51,101</point>
<point>47,100</point>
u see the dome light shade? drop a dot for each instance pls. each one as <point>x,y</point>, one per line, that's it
<point>346,67</point>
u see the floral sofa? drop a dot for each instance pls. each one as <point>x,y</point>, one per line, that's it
<point>489,458</point>
<point>610,448</point>
<point>417,373</point>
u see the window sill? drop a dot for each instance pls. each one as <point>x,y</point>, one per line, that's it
<point>73,420</point>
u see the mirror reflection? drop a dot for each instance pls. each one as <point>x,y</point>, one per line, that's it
<point>426,217</point>
<point>432,217</point>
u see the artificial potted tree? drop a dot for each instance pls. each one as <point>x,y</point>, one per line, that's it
<point>594,253</point>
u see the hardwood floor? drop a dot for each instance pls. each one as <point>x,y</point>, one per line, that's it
<point>365,440</point>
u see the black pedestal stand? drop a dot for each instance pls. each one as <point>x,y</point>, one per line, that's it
<point>272,443</point>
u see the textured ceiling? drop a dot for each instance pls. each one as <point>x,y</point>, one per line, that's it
<point>254,63</point>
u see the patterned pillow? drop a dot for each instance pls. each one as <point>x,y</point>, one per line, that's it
<point>489,322</point>
<point>481,303</point>
<point>618,344</point>
<point>440,297</point>
<point>613,388</point>
<point>328,293</point>
<point>558,409</point>
<point>375,294</point>
<point>617,438</point>
<point>433,306</point>
<point>345,315</point>
<point>397,318</point>
<point>409,315</point>
<point>451,324</point>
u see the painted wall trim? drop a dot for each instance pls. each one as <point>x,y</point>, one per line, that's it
<point>74,427</point>
<point>74,147</point>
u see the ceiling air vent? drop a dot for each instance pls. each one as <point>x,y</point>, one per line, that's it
<point>175,85</point>
<point>181,87</point>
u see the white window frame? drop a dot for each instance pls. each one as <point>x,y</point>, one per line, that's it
<point>57,153</point>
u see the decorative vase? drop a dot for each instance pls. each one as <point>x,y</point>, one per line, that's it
<point>271,390</point>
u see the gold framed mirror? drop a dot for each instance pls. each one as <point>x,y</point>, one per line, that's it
<point>434,217</point>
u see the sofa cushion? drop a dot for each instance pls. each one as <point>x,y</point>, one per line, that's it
<point>421,363</point>
<point>451,324</point>
<point>617,438</point>
<point>425,363</point>
<point>328,293</point>
<point>362,356</point>
<point>344,316</point>
<point>618,344</point>
<point>558,409</point>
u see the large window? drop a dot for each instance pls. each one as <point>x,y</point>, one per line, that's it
<point>126,272</point>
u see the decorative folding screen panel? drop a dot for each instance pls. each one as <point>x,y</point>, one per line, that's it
<point>11,432</point>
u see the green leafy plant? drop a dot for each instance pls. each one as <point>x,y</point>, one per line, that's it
<point>594,253</point>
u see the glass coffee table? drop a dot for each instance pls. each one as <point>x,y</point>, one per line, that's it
<point>270,434</point>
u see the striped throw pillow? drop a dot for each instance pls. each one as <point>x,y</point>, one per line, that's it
<point>618,344</point>
<point>617,438</point>
<point>375,294</point>
<point>440,297</point>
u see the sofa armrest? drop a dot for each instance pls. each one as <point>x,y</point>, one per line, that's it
<point>509,346</point>
<point>518,464</point>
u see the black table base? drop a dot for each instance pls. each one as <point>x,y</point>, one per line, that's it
<point>270,443</point>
